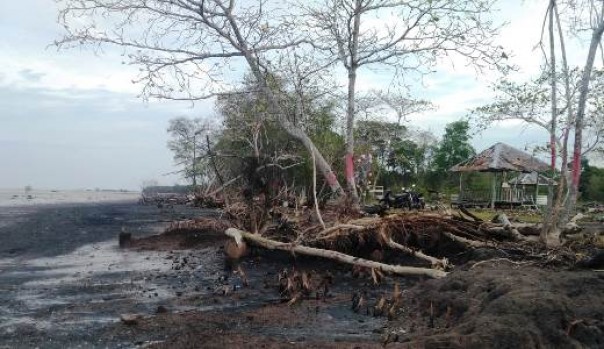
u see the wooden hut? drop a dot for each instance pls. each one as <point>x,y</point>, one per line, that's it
<point>527,188</point>
<point>499,159</point>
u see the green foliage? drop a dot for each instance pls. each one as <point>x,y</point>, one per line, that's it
<point>591,185</point>
<point>401,156</point>
<point>454,147</point>
<point>249,131</point>
<point>187,137</point>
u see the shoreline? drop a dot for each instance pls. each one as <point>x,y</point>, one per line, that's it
<point>45,198</point>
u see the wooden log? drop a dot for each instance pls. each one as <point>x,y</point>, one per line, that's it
<point>529,229</point>
<point>508,225</point>
<point>334,255</point>
<point>440,263</point>
<point>469,214</point>
<point>325,233</point>
<point>501,232</point>
<point>468,242</point>
<point>572,227</point>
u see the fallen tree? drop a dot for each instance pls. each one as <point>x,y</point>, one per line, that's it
<point>258,240</point>
<point>407,233</point>
<point>406,243</point>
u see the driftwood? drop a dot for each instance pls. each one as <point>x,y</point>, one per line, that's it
<point>508,226</point>
<point>529,229</point>
<point>334,255</point>
<point>501,232</point>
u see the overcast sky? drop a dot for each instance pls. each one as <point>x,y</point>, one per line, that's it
<point>72,120</point>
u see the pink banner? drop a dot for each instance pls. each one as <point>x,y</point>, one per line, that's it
<point>349,168</point>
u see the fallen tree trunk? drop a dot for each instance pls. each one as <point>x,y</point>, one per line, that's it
<point>467,242</point>
<point>470,214</point>
<point>439,263</point>
<point>334,255</point>
<point>508,226</point>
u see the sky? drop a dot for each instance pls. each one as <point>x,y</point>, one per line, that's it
<point>73,119</point>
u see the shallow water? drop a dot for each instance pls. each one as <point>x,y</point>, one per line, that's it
<point>21,197</point>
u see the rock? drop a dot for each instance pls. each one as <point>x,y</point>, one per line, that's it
<point>161,309</point>
<point>130,319</point>
<point>125,239</point>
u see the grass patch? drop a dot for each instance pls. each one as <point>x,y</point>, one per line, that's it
<point>522,216</point>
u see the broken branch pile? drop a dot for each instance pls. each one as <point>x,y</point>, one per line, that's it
<point>423,243</point>
<point>353,241</point>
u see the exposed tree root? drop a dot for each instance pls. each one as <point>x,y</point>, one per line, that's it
<point>335,255</point>
<point>348,241</point>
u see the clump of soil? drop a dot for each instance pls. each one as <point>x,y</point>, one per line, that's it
<point>505,305</point>
<point>187,234</point>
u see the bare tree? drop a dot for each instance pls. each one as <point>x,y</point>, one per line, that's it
<point>590,14</point>
<point>404,35</point>
<point>186,48</point>
<point>548,224</point>
<point>402,104</point>
<point>557,216</point>
<point>530,102</point>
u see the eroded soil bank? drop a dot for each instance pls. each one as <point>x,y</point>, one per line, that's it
<point>64,283</point>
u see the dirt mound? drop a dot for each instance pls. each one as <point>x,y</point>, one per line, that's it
<point>505,305</point>
<point>200,232</point>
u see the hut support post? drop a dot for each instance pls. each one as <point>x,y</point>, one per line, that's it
<point>536,192</point>
<point>493,189</point>
<point>461,196</point>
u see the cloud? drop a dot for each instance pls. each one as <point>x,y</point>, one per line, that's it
<point>30,75</point>
<point>77,139</point>
<point>71,119</point>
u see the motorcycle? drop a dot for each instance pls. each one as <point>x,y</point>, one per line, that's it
<point>416,200</point>
<point>408,199</point>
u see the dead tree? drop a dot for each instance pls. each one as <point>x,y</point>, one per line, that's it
<point>360,33</point>
<point>185,47</point>
<point>595,16</point>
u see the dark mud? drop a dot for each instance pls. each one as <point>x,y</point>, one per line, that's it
<point>64,284</point>
<point>63,278</point>
<point>501,304</point>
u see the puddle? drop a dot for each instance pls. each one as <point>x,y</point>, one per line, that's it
<point>88,287</point>
<point>93,260</point>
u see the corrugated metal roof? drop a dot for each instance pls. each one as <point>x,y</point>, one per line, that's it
<point>501,157</point>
